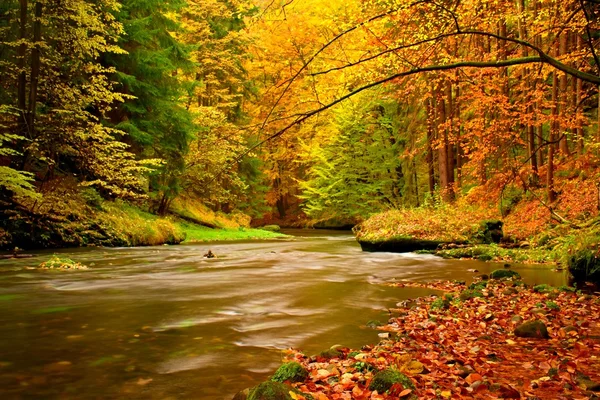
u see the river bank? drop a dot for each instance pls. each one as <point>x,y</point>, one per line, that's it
<point>77,222</point>
<point>471,232</point>
<point>491,339</point>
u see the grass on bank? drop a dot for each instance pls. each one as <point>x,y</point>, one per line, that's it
<point>198,233</point>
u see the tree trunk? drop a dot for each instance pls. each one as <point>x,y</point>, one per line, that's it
<point>563,144</point>
<point>21,55</point>
<point>430,138</point>
<point>551,139</point>
<point>442,135</point>
<point>35,67</point>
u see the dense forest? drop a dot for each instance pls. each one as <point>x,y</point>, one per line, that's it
<point>296,112</point>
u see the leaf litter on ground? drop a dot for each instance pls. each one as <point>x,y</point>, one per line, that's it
<point>468,348</point>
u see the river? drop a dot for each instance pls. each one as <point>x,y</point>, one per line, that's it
<point>165,323</point>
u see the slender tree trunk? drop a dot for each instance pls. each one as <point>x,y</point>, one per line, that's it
<point>563,86</point>
<point>443,147</point>
<point>449,138</point>
<point>551,138</point>
<point>430,138</point>
<point>459,160</point>
<point>21,54</point>
<point>35,66</point>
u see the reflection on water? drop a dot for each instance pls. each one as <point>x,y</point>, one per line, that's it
<point>164,323</point>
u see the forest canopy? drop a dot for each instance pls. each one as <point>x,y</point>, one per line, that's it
<point>302,110</point>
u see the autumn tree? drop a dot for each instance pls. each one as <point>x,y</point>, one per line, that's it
<point>54,94</point>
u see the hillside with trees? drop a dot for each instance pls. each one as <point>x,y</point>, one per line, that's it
<point>300,113</point>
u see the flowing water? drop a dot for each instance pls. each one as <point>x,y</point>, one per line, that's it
<point>165,323</point>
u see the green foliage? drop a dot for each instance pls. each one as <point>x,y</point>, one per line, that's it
<point>357,171</point>
<point>290,372</point>
<point>363,366</point>
<point>552,305</point>
<point>57,128</point>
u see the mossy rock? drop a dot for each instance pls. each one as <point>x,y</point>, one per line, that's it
<point>331,353</point>
<point>532,329</point>
<point>399,245</point>
<point>384,380</point>
<point>242,394</point>
<point>271,228</point>
<point>490,232</point>
<point>584,265</point>
<point>470,294</point>
<point>270,391</point>
<point>504,273</point>
<point>291,372</point>
<point>543,288</point>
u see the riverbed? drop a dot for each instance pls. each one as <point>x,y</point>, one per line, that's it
<point>166,323</point>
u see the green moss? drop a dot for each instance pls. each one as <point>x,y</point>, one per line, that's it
<point>384,380</point>
<point>504,273</point>
<point>552,305</point>
<point>291,372</point>
<point>270,391</point>
<point>478,285</point>
<point>440,304</point>
<point>331,353</point>
<point>470,294</point>
<point>543,288</point>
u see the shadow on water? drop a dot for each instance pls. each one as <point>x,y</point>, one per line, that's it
<point>165,323</point>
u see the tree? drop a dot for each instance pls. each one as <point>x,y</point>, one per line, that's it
<point>54,94</point>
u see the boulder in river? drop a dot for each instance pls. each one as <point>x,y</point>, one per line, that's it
<point>504,273</point>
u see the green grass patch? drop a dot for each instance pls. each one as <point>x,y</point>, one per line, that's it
<point>198,233</point>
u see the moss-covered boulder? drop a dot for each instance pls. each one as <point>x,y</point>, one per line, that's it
<point>330,353</point>
<point>270,391</point>
<point>242,394</point>
<point>490,232</point>
<point>504,273</point>
<point>532,329</point>
<point>399,244</point>
<point>470,294</point>
<point>290,372</point>
<point>584,265</point>
<point>384,380</point>
<point>271,228</point>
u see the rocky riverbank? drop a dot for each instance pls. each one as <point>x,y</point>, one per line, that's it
<point>491,339</point>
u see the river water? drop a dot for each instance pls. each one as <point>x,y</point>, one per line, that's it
<point>165,323</point>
